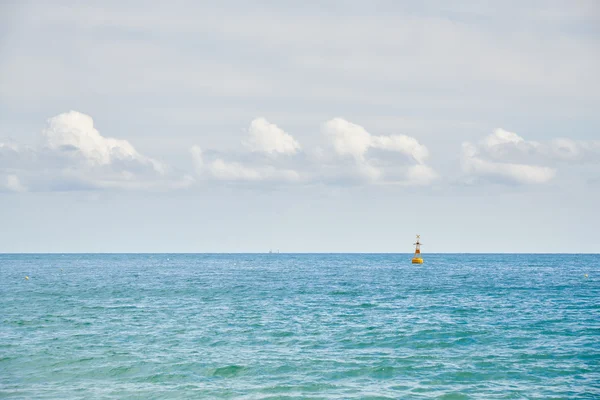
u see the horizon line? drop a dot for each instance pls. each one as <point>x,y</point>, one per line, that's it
<point>289,253</point>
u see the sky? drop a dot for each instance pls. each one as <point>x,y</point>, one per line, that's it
<point>315,126</point>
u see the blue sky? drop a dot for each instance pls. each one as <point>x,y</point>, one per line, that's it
<point>305,127</point>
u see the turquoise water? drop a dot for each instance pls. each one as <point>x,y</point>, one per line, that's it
<point>299,326</point>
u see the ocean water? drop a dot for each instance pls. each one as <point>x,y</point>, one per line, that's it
<point>315,326</point>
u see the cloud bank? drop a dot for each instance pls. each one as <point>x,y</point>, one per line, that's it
<point>343,140</point>
<point>74,155</point>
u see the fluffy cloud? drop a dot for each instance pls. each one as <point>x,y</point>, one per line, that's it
<point>231,171</point>
<point>508,146</point>
<point>508,157</point>
<point>73,134</point>
<point>402,144</point>
<point>264,138</point>
<point>270,139</point>
<point>352,139</point>
<point>501,137</point>
<point>353,158</point>
<point>474,165</point>
<point>73,155</point>
<point>349,139</point>
<point>421,174</point>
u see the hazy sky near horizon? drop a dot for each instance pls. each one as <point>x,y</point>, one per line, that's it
<point>330,126</point>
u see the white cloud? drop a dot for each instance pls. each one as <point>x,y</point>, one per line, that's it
<point>13,184</point>
<point>369,171</point>
<point>349,139</point>
<point>500,137</point>
<point>9,154</point>
<point>233,171</point>
<point>270,139</point>
<point>507,146</point>
<point>73,134</point>
<point>401,144</point>
<point>573,151</point>
<point>474,165</point>
<point>197,159</point>
<point>508,157</point>
<point>352,139</point>
<point>421,174</point>
<point>566,149</point>
<point>221,170</point>
<point>75,156</point>
<point>8,147</point>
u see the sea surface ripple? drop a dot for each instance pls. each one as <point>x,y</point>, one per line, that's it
<point>283,326</point>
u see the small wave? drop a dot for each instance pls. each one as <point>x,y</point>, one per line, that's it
<point>453,396</point>
<point>118,371</point>
<point>229,371</point>
<point>283,334</point>
<point>368,305</point>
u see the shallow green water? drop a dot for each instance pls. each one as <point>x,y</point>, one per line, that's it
<point>299,326</point>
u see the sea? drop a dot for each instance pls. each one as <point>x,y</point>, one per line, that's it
<point>299,326</point>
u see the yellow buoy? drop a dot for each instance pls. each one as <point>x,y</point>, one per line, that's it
<point>417,257</point>
<point>586,275</point>
<point>26,278</point>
